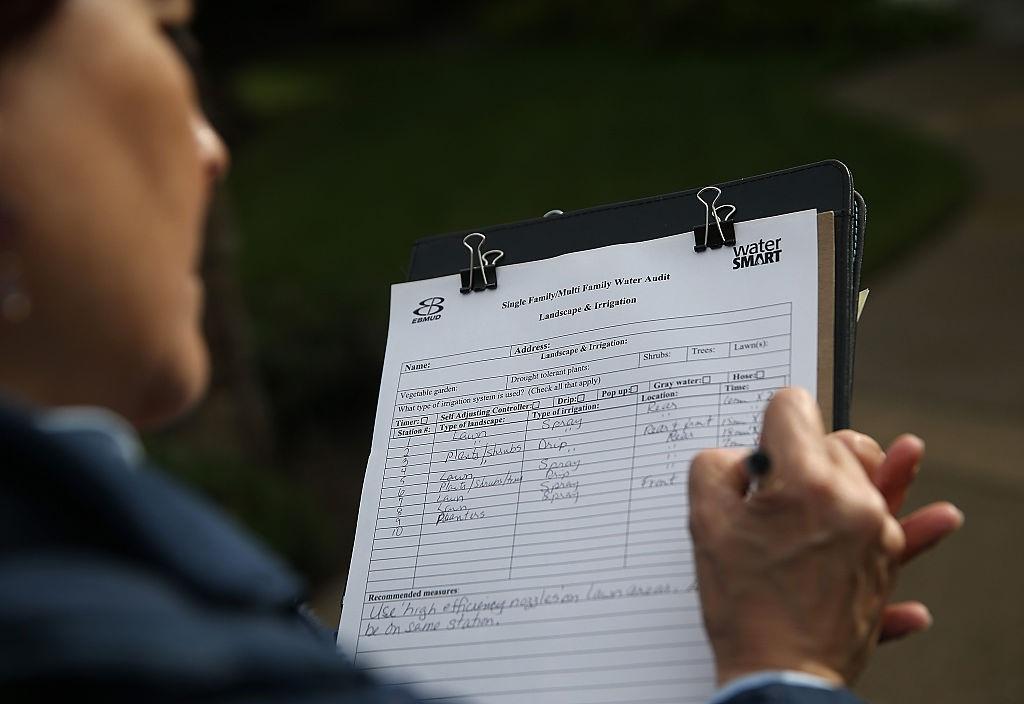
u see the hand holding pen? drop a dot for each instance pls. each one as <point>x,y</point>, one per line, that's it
<point>797,547</point>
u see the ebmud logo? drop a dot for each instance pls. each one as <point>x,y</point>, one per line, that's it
<point>757,253</point>
<point>430,309</point>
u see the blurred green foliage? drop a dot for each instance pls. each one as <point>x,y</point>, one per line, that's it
<point>849,27</point>
<point>332,192</point>
<point>495,112</point>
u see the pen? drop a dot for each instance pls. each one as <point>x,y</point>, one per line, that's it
<point>758,466</point>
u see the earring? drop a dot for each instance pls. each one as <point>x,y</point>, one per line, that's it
<point>15,303</point>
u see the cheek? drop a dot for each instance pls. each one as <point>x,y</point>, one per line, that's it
<point>113,203</point>
<point>155,198</point>
<point>152,124</point>
<point>155,236</point>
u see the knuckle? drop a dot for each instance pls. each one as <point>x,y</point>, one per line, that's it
<point>846,435</point>
<point>869,443</point>
<point>791,397</point>
<point>864,446</point>
<point>894,539</point>
<point>790,408</point>
<point>702,469</point>
<point>870,515</point>
<point>700,462</point>
<point>871,519</point>
<point>878,528</point>
<point>821,488</point>
<point>859,442</point>
<point>835,447</point>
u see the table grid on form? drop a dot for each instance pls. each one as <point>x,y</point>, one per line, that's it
<point>539,474</point>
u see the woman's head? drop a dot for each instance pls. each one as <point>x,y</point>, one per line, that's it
<point>106,169</point>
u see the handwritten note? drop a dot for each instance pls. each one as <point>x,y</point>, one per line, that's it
<point>523,532</point>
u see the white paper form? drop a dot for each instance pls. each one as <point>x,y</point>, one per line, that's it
<point>523,533</point>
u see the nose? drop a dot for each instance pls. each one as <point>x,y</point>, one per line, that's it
<point>213,153</point>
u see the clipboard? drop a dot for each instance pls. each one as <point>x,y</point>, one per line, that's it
<point>825,186</point>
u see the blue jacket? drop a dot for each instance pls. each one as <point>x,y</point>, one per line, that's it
<point>790,694</point>
<point>118,585</point>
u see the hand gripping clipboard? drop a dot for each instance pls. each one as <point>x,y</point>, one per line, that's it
<point>825,186</point>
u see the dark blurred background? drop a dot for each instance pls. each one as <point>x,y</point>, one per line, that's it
<point>358,127</point>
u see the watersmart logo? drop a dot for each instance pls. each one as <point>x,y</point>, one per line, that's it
<point>430,309</point>
<point>757,253</point>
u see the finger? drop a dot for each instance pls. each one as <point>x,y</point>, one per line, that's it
<point>927,526</point>
<point>864,448</point>
<point>843,462</point>
<point>718,482</point>
<point>718,475</point>
<point>793,434</point>
<point>898,469</point>
<point>903,619</point>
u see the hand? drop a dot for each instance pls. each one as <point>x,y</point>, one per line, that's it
<point>892,472</point>
<point>798,576</point>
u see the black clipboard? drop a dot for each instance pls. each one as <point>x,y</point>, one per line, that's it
<point>823,186</point>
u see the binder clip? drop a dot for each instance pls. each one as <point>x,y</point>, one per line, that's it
<point>482,272</point>
<point>719,233</point>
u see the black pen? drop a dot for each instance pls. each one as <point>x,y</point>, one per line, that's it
<point>758,466</point>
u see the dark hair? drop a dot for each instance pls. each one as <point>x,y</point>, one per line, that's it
<point>19,19</point>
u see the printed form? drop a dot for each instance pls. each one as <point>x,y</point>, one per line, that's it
<point>523,532</point>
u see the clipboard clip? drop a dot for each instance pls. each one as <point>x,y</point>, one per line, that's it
<point>718,233</point>
<point>482,273</point>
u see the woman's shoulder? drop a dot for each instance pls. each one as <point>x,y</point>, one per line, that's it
<point>88,624</point>
<point>70,492</point>
<point>118,577</point>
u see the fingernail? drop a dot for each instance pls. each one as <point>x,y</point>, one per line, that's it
<point>960,514</point>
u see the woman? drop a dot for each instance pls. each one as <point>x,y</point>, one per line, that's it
<point>114,583</point>
<point>106,167</point>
